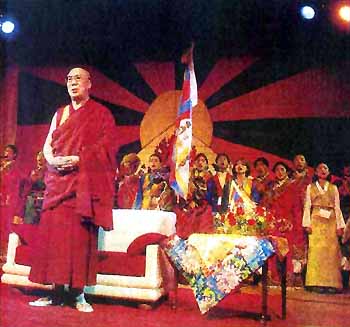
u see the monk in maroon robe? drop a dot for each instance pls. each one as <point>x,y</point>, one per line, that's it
<point>128,181</point>
<point>11,183</point>
<point>79,193</point>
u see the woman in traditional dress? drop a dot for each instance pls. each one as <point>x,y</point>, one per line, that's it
<point>281,199</point>
<point>324,222</point>
<point>243,185</point>
<point>243,199</point>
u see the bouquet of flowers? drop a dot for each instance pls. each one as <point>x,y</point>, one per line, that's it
<point>252,220</point>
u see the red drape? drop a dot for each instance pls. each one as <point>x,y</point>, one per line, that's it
<point>8,106</point>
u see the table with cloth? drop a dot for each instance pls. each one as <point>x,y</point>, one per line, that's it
<point>216,264</point>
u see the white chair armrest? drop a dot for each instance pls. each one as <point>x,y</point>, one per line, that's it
<point>11,248</point>
<point>152,269</point>
<point>158,268</point>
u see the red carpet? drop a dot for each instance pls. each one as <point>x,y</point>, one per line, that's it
<point>304,309</point>
<point>15,312</point>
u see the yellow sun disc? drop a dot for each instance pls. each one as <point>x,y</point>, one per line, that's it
<point>159,122</point>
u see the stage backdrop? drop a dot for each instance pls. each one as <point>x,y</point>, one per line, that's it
<point>248,107</point>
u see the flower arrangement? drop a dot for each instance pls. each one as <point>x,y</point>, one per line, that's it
<point>253,220</point>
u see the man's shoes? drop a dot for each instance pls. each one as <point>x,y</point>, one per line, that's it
<point>42,302</point>
<point>45,302</point>
<point>84,307</point>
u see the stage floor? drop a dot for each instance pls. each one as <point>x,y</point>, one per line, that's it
<point>303,309</point>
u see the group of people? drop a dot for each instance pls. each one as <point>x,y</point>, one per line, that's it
<point>21,195</point>
<point>307,209</point>
<point>71,192</point>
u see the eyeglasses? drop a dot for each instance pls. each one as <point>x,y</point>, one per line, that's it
<point>76,78</point>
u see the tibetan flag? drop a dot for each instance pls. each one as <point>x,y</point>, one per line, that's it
<point>180,163</point>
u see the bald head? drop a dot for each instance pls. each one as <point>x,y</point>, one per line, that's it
<point>78,84</point>
<point>79,71</point>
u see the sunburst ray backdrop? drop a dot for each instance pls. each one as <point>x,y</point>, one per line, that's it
<point>249,107</point>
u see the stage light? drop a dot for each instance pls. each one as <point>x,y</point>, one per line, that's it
<point>7,26</point>
<point>344,13</point>
<point>340,15</point>
<point>307,12</point>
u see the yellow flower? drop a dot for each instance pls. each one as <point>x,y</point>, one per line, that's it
<point>208,292</point>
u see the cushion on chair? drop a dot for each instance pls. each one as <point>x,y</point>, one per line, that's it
<point>23,255</point>
<point>121,263</point>
<point>139,244</point>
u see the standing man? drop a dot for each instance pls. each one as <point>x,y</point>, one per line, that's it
<point>78,198</point>
<point>218,186</point>
<point>300,173</point>
<point>301,179</point>
<point>263,178</point>
<point>11,184</point>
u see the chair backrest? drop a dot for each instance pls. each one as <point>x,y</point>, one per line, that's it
<point>129,224</point>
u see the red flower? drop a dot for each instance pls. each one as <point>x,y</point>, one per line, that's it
<point>269,216</point>
<point>222,218</point>
<point>260,211</point>
<point>231,219</point>
<point>240,211</point>
<point>251,222</point>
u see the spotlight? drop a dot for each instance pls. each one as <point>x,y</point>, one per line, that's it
<point>344,13</point>
<point>340,15</point>
<point>7,27</point>
<point>307,12</point>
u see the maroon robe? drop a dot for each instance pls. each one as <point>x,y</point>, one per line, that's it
<point>11,184</point>
<point>194,220</point>
<point>76,202</point>
<point>127,191</point>
<point>283,203</point>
